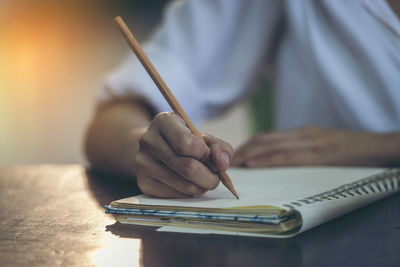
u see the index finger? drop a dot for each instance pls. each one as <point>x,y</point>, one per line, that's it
<point>181,139</point>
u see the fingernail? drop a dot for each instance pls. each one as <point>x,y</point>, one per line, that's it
<point>225,158</point>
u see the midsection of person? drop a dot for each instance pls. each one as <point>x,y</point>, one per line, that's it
<point>338,66</point>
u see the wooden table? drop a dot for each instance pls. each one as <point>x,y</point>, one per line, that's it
<point>53,215</point>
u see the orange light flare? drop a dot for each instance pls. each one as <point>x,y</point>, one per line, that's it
<point>34,53</point>
<point>43,45</point>
<point>53,55</point>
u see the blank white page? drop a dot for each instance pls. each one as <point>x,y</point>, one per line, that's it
<point>272,186</point>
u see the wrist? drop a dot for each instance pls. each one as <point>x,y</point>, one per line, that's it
<point>129,155</point>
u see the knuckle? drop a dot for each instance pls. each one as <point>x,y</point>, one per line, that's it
<point>185,144</point>
<point>139,161</point>
<point>176,117</point>
<point>162,116</point>
<point>229,149</point>
<point>145,141</point>
<point>161,119</point>
<point>205,155</point>
<point>189,167</point>
<point>166,117</point>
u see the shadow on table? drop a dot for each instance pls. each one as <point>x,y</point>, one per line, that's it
<point>108,187</point>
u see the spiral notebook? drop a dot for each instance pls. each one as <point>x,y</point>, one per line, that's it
<point>274,202</point>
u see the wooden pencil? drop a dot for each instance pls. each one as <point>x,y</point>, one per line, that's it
<point>162,86</point>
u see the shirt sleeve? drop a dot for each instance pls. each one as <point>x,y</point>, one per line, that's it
<point>206,51</point>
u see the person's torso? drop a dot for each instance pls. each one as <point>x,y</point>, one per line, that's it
<point>339,66</point>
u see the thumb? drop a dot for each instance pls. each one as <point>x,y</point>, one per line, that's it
<point>221,152</point>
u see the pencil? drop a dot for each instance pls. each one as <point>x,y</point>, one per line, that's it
<point>162,86</point>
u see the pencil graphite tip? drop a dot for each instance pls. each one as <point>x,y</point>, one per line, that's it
<point>233,191</point>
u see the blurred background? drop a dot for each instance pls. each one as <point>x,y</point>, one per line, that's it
<point>53,56</point>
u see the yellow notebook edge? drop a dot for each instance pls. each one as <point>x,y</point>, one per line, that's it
<point>284,230</point>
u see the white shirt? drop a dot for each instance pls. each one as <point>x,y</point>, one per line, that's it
<point>337,62</point>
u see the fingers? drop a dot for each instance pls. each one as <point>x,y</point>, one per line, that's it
<point>266,145</point>
<point>179,137</point>
<point>188,168</point>
<point>268,150</point>
<point>148,169</point>
<point>262,143</point>
<point>285,158</point>
<point>155,188</point>
<point>221,152</point>
<point>171,155</point>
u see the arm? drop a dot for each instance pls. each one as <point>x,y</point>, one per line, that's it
<point>114,125</point>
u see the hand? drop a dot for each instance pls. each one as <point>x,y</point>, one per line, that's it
<point>173,163</point>
<point>312,145</point>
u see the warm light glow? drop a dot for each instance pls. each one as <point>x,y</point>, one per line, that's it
<point>34,50</point>
<point>117,251</point>
<point>54,56</point>
<point>46,69</point>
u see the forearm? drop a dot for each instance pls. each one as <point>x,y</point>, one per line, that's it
<point>112,137</point>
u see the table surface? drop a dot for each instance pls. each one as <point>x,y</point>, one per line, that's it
<point>53,215</point>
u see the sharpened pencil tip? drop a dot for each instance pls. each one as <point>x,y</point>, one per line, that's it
<point>233,191</point>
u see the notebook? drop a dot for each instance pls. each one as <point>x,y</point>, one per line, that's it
<point>274,202</point>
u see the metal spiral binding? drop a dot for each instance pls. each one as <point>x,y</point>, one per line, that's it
<point>382,182</point>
